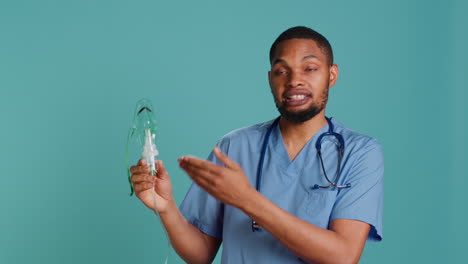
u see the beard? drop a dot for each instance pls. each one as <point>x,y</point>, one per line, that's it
<point>304,115</point>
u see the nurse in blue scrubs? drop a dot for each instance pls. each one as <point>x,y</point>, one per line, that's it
<point>301,188</point>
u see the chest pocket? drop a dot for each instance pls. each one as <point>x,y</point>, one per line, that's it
<point>317,207</point>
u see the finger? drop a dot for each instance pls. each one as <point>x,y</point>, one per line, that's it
<point>199,164</point>
<point>201,177</point>
<point>224,158</point>
<point>138,178</point>
<point>142,162</point>
<point>140,169</point>
<point>142,187</point>
<point>162,173</point>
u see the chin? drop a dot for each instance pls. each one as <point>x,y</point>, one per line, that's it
<point>300,116</point>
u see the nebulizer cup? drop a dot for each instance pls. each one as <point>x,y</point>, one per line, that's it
<point>150,152</point>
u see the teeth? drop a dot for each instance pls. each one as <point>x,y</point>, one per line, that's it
<point>297,97</point>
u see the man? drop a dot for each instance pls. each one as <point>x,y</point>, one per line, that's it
<point>259,192</point>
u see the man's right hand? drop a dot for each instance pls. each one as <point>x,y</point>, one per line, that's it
<point>143,183</point>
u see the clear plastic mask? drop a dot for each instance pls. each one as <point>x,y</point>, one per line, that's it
<point>141,138</point>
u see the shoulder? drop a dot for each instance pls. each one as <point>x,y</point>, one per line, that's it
<point>363,156</point>
<point>249,132</point>
<point>246,136</point>
<point>355,141</point>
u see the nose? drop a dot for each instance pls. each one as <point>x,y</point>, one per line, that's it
<point>295,80</point>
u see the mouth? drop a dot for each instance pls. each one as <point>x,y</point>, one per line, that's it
<point>296,98</point>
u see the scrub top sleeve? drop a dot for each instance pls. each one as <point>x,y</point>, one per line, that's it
<point>364,200</point>
<point>201,209</point>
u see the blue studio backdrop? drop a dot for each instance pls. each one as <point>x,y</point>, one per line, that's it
<point>72,71</point>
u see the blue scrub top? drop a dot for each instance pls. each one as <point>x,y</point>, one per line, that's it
<point>289,185</point>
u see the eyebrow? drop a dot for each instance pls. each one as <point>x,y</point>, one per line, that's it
<point>303,59</point>
<point>309,57</point>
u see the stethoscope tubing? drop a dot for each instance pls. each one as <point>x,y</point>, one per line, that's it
<point>318,146</point>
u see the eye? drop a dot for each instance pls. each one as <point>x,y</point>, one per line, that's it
<point>280,72</point>
<point>310,69</point>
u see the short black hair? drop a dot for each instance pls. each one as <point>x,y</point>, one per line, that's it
<point>301,32</point>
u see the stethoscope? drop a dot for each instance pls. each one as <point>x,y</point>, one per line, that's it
<point>318,145</point>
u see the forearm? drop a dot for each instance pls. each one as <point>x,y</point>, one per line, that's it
<point>343,243</point>
<point>306,240</point>
<point>188,241</point>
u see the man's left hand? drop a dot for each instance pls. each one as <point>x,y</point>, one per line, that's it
<point>226,183</point>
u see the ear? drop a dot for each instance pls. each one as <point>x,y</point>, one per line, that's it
<point>334,71</point>
<point>269,77</point>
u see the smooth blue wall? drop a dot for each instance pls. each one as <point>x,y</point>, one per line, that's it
<point>72,71</point>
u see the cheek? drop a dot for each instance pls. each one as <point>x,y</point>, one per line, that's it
<point>275,88</point>
<point>275,93</point>
<point>321,81</point>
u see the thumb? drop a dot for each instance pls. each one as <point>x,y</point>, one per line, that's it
<point>162,173</point>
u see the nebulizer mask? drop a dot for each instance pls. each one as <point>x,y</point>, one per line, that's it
<point>143,133</point>
<point>142,138</point>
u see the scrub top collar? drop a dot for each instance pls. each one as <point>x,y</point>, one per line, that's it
<point>307,153</point>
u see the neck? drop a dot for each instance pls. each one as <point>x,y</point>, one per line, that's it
<point>296,135</point>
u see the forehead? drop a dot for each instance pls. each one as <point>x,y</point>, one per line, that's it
<point>297,49</point>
